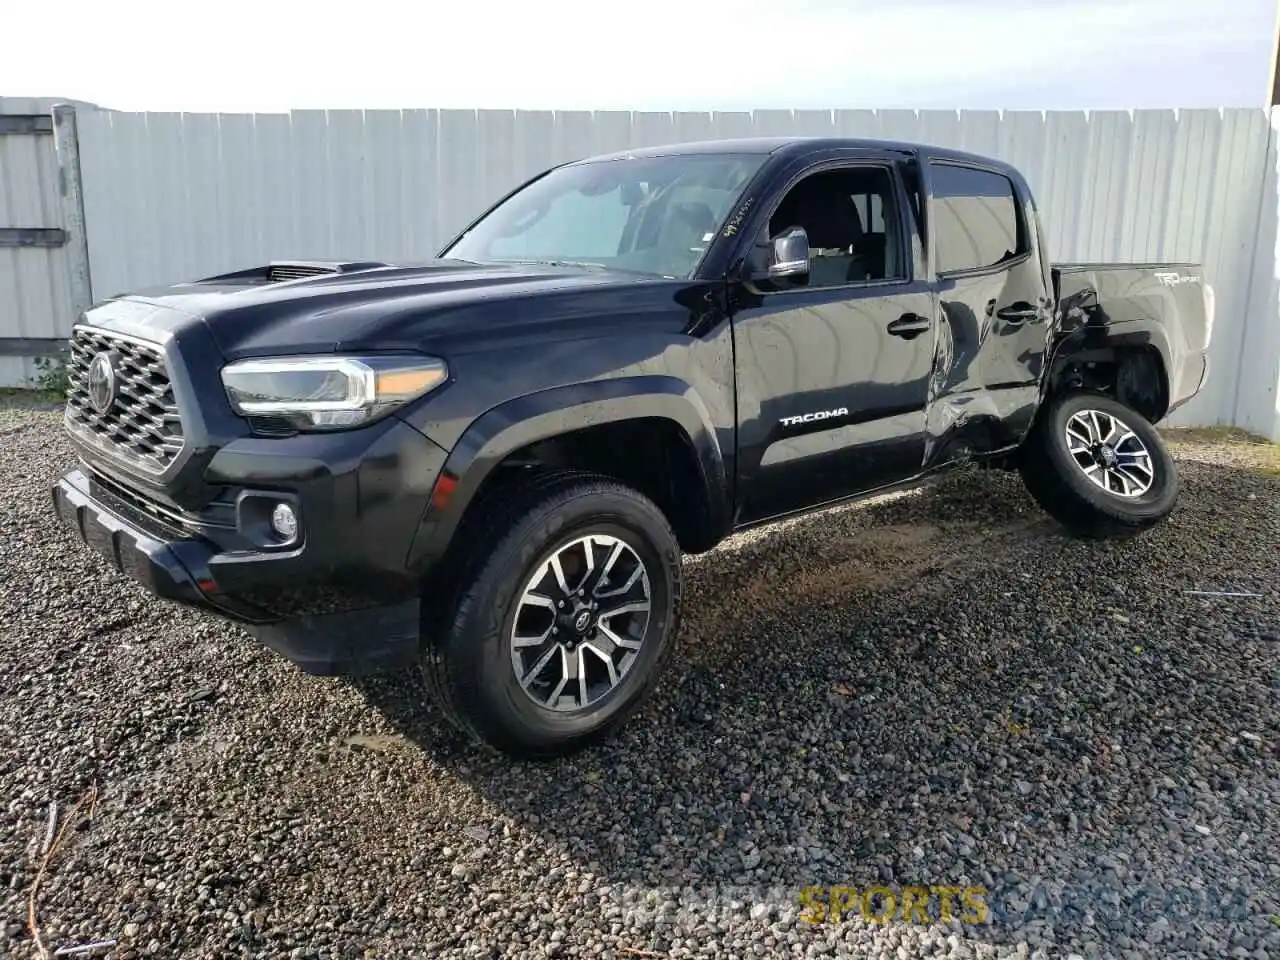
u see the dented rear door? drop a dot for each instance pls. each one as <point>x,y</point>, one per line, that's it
<point>995,311</point>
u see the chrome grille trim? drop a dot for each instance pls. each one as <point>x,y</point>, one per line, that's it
<point>143,428</point>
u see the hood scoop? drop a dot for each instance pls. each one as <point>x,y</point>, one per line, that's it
<point>281,271</point>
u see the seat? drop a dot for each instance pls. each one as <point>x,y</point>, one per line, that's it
<point>694,220</point>
<point>683,234</point>
<point>831,220</point>
<point>872,250</point>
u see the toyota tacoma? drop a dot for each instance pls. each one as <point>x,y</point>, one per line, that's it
<point>489,465</point>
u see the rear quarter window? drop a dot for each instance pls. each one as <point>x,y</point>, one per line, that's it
<point>976,221</point>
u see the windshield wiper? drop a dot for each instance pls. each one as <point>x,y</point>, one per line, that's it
<point>560,263</point>
<point>576,263</point>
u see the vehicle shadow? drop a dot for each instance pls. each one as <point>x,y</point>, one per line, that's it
<point>937,689</point>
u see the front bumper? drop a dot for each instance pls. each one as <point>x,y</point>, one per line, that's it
<point>340,600</point>
<point>164,567</point>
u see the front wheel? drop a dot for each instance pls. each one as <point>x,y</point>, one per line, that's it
<point>566,618</point>
<point>1098,467</point>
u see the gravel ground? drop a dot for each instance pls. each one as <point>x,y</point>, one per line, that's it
<point>935,689</point>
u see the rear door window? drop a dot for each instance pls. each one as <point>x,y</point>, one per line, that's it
<point>976,221</point>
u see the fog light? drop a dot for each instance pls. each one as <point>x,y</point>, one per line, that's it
<point>284,521</point>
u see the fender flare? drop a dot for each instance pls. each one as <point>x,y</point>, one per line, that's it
<point>550,413</point>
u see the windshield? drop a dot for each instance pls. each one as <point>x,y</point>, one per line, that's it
<point>651,215</point>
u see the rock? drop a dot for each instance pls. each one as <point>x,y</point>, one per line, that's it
<point>244,826</point>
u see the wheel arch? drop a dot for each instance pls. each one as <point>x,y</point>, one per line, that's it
<point>576,413</point>
<point>1128,361</point>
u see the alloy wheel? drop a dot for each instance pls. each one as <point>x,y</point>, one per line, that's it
<point>1109,453</point>
<point>580,622</point>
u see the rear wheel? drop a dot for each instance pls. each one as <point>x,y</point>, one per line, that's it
<point>1098,467</point>
<point>564,619</point>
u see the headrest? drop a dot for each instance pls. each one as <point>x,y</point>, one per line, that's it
<point>829,217</point>
<point>695,215</point>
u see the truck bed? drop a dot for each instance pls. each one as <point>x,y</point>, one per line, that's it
<point>1166,306</point>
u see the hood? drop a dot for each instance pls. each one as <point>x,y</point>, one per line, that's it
<point>326,307</point>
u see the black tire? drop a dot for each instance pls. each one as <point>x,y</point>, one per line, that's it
<point>468,660</point>
<point>1059,484</point>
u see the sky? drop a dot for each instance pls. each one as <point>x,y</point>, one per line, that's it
<point>270,55</point>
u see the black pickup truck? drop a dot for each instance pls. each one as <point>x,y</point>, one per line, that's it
<point>489,465</point>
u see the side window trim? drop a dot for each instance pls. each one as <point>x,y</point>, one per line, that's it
<point>1021,237</point>
<point>904,226</point>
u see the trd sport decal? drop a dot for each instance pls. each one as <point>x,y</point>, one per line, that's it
<point>1171,278</point>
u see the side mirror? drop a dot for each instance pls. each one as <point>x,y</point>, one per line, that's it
<point>781,261</point>
<point>790,254</point>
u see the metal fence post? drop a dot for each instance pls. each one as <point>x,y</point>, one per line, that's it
<point>66,139</point>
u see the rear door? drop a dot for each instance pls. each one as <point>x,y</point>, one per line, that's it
<point>994,307</point>
<point>833,376</point>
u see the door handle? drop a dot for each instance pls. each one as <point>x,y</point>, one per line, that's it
<point>908,326</point>
<point>1017,313</point>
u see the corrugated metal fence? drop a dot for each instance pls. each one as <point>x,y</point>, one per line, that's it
<point>172,196</point>
<point>35,285</point>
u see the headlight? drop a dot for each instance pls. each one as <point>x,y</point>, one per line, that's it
<point>329,393</point>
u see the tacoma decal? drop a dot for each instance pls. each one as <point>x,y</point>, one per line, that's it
<point>816,415</point>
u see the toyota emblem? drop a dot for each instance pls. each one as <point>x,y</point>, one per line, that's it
<point>102,382</point>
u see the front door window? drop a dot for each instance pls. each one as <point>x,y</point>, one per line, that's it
<point>851,240</point>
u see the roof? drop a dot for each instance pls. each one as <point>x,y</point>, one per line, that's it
<point>784,145</point>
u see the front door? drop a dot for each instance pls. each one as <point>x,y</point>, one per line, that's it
<point>833,376</point>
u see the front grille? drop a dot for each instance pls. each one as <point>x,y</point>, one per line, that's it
<point>137,509</point>
<point>142,425</point>
<point>217,513</point>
